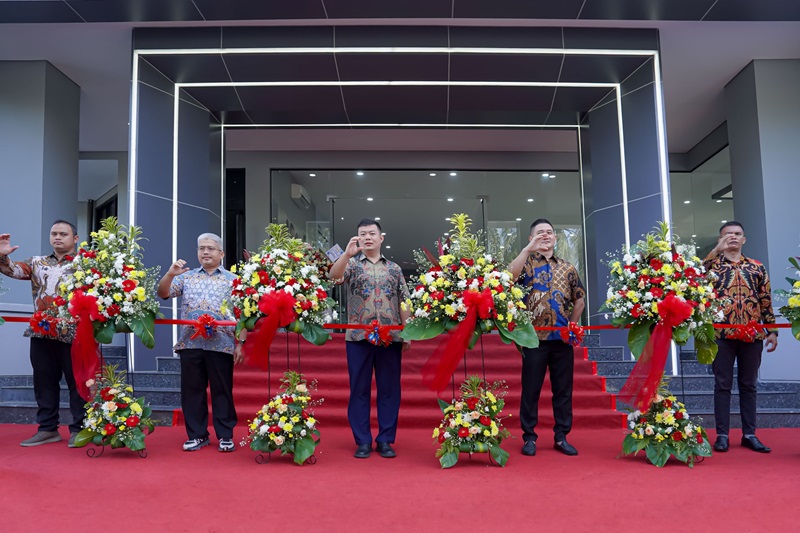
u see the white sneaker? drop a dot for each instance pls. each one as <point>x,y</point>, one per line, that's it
<point>226,445</point>
<point>192,445</point>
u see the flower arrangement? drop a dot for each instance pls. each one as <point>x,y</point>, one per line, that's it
<point>114,417</point>
<point>111,286</point>
<point>286,423</point>
<point>665,429</point>
<point>283,280</point>
<point>472,423</point>
<point>648,273</point>
<point>791,311</point>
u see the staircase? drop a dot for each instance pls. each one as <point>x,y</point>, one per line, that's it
<point>778,402</point>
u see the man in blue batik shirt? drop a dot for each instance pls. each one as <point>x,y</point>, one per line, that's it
<point>204,360</point>
<point>556,298</point>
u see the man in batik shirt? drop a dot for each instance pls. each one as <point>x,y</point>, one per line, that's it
<point>376,288</point>
<point>51,346</point>
<point>205,361</point>
<point>556,298</point>
<point>743,284</point>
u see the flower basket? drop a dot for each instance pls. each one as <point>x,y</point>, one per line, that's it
<point>466,293</point>
<point>114,417</point>
<point>472,423</point>
<point>652,270</point>
<point>286,423</point>
<point>665,430</point>
<point>791,311</point>
<point>282,284</point>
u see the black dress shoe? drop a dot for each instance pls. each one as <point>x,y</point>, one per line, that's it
<point>384,449</point>
<point>566,448</point>
<point>529,448</point>
<point>363,451</point>
<point>754,444</point>
<point>721,444</point>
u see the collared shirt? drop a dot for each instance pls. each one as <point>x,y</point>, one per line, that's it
<point>204,294</point>
<point>375,292</point>
<point>555,287</point>
<point>45,273</point>
<point>744,288</point>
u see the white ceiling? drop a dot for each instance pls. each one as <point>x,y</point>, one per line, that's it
<point>699,58</point>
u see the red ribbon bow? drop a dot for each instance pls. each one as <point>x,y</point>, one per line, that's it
<point>85,360</point>
<point>748,332</point>
<point>204,327</point>
<point>380,334</point>
<point>278,306</point>
<point>572,334</point>
<point>43,324</point>
<point>440,366</point>
<point>642,384</point>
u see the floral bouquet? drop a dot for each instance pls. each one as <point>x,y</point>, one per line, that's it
<point>465,292</point>
<point>472,424</point>
<point>109,291</point>
<point>791,311</point>
<point>665,429</point>
<point>649,272</point>
<point>114,417</point>
<point>282,285</point>
<point>285,424</point>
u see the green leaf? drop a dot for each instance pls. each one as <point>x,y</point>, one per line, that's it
<point>475,336</point>
<point>621,321</point>
<point>448,459</point>
<point>303,449</point>
<point>84,437</point>
<point>706,350</point>
<point>135,441</point>
<point>681,335</point>
<point>420,330</point>
<point>261,445</point>
<point>638,336</point>
<point>2,321</point>
<point>143,329</point>
<point>499,455</point>
<point>658,455</point>
<point>523,335</point>
<point>796,329</point>
<point>315,334</point>
<point>104,332</point>
<point>443,404</point>
<point>794,262</point>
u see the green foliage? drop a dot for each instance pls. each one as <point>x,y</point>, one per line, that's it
<point>638,336</point>
<point>278,237</point>
<point>419,330</point>
<point>462,242</point>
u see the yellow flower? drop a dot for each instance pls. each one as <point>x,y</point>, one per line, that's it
<point>79,274</point>
<point>461,274</point>
<point>794,301</point>
<point>254,279</point>
<point>139,293</point>
<point>298,255</point>
<point>667,270</point>
<point>117,297</point>
<point>449,310</point>
<point>102,255</point>
<point>136,408</point>
<point>84,244</point>
<point>288,427</point>
<point>233,269</point>
<point>435,433</point>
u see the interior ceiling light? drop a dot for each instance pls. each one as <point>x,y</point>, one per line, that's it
<point>377,218</point>
<point>552,176</point>
<point>359,173</point>
<point>719,201</point>
<point>545,175</point>
<point>530,199</point>
<point>313,175</point>
<point>433,174</point>
<point>449,199</point>
<point>519,219</point>
<point>724,221</point>
<point>453,174</point>
<point>369,199</point>
<point>687,201</point>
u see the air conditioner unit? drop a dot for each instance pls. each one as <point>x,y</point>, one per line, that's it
<point>300,196</point>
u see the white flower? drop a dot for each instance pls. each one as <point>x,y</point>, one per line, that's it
<point>279,440</point>
<point>263,429</point>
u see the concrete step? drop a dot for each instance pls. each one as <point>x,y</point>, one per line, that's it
<point>25,413</point>
<point>704,400</point>
<point>766,418</point>
<point>154,396</point>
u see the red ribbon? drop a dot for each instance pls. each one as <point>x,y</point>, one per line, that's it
<point>572,334</point>
<point>278,306</point>
<point>380,334</point>
<point>204,326</point>
<point>43,324</point>
<point>440,366</point>
<point>85,360</point>
<point>642,384</point>
<point>747,332</point>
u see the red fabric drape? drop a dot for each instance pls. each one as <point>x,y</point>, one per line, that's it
<point>278,306</point>
<point>85,357</point>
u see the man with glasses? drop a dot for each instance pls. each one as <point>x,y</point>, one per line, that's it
<point>204,360</point>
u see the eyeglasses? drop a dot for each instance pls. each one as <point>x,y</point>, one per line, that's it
<point>207,249</point>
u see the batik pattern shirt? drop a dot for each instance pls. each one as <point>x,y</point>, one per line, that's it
<point>204,294</point>
<point>744,289</point>
<point>375,291</point>
<point>45,273</point>
<point>554,289</point>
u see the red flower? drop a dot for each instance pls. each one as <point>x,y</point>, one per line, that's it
<point>110,429</point>
<point>59,301</point>
<point>106,395</point>
<point>128,285</point>
<point>441,438</point>
<point>677,436</point>
<point>132,421</point>
<point>656,264</point>
<point>699,439</point>
<point>113,310</point>
<point>472,403</point>
<point>636,311</point>
<point>237,313</point>
<point>667,403</point>
<point>69,258</point>
<point>485,420</point>
<point>274,429</point>
<point>658,280</point>
<point>236,282</point>
<point>263,277</point>
<point>126,269</point>
<point>679,416</point>
<point>438,295</point>
<point>250,291</point>
<point>286,400</point>
<point>121,405</point>
<point>321,294</point>
<point>463,432</point>
<point>467,261</point>
<point>511,326</point>
<point>631,268</point>
<point>643,420</point>
<point>657,292</point>
<point>305,415</point>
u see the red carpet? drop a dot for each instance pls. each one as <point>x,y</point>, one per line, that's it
<point>593,407</point>
<point>53,488</point>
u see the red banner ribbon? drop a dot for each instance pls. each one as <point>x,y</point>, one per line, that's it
<point>43,324</point>
<point>747,332</point>
<point>380,334</point>
<point>204,326</point>
<point>278,306</point>
<point>85,350</point>
<point>440,366</point>
<point>572,334</point>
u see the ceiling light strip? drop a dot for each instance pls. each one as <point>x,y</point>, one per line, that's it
<point>175,133</point>
<point>662,145</point>
<point>391,83</point>
<point>132,154</point>
<point>398,50</point>
<point>409,125</point>
<point>622,171</point>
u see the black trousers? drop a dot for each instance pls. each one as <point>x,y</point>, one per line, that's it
<point>559,358</point>
<point>362,358</point>
<point>747,356</point>
<point>50,360</point>
<point>199,369</point>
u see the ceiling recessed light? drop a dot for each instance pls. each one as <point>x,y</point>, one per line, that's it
<point>552,176</point>
<point>693,236</point>
<point>545,175</point>
<point>433,173</point>
<point>313,175</point>
<point>447,233</point>
<point>342,218</point>
<point>724,221</point>
<point>519,219</point>
<point>509,234</point>
<point>448,219</point>
<point>383,233</point>
<point>388,246</point>
<point>377,218</point>
<point>449,199</point>
<point>454,174</point>
<point>369,199</point>
<point>359,173</point>
<point>719,201</point>
<point>687,201</point>
<point>530,199</point>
